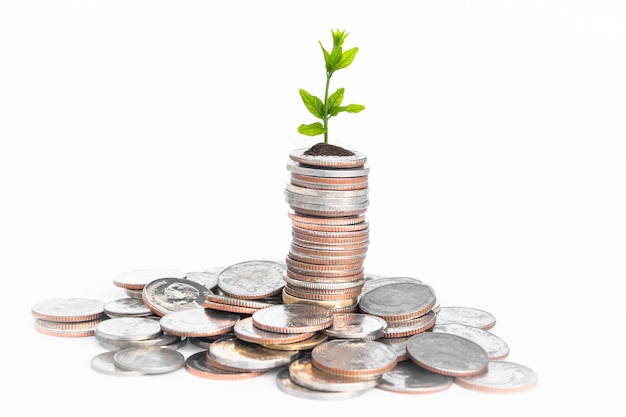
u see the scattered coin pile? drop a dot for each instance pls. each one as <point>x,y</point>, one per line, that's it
<point>244,330</point>
<point>328,197</point>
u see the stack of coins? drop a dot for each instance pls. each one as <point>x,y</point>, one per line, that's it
<point>328,197</point>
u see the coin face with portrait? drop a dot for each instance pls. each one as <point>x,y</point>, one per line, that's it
<point>166,295</point>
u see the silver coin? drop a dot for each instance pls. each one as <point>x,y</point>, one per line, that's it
<point>166,295</point>
<point>252,279</point>
<point>128,328</point>
<point>353,358</point>
<point>235,353</point>
<point>292,318</point>
<point>104,364</point>
<point>353,161</point>
<point>330,208</point>
<point>168,340</point>
<point>398,301</point>
<point>501,377</point>
<point>410,327</point>
<point>324,199</point>
<point>356,326</point>
<point>398,344</point>
<point>298,168</point>
<point>409,378</point>
<point>495,347</point>
<point>303,373</point>
<point>134,293</point>
<point>466,315</point>
<point>286,385</point>
<point>127,307</point>
<point>375,281</point>
<point>314,192</point>
<point>68,309</point>
<point>150,360</point>
<point>198,322</point>
<point>138,278</point>
<point>206,278</point>
<point>245,330</point>
<point>447,354</point>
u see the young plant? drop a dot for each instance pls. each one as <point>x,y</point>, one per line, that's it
<point>335,60</point>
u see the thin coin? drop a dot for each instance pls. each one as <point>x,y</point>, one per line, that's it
<point>326,220</point>
<point>356,326</point>
<point>245,329</point>
<point>69,309</point>
<point>166,295</point>
<point>303,373</point>
<point>150,360</point>
<point>286,385</point>
<point>410,327</point>
<point>67,329</point>
<point>303,169</point>
<point>447,354</point>
<point>354,358</point>
<point>358,159</point>
<point>329,305</point>
<point>409,378</point>
<point>163,340</point>
<point>127,307</point>
<point>307,344</point>
<point>293,318</point>
<point>398,301</point>
<point>229,308</point>
<point>137,279</point>
<point>495,347</point>
<point>501,377</point>
<point>466,315</point>
<point>254,304</point>
<point>196,364</point>
<point>238,354</point>
<point>128,328</point>
<point>321,295</point>
<point>104,364</point>
<point>252,279</point>
<point>198,322</point>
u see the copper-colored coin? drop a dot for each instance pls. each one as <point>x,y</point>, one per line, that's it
<point>229,308</point>
<point>357,160</point>
<point>306,344</point>
<point>330,251</point>
<point>246,330</point>
<point>326,279</point>
<point>255,304</point>
<point>361,233</point>
<point>331,228</point>
<point>67,329</point>
<point>398,301</point>
<point>329,240</point>
<point>69,309</point>
<point>329,187</point>
<point>196,364</point>
<point>322,296</point>
<point>303,373</point>
<point>354,358</point>
<point>240,355</point>
<point>326,260</point>
<point>329,181</point>
<point>324,270</point>
<point>330,305</point>
<point>410,327</point>
<point>501,377</point>
<point>330,245</point>
<point>346,220</point>
<point>293,318</point>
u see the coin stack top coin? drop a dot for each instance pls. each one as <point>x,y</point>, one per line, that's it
<point>328,196</point>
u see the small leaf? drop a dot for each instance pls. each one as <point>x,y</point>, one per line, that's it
<point>313,104</point>
<point>333,59</point>
<point>325,51</point>
<point>347,58</point>
<point>334,101</point>
<point>313,129</point>
<point>351,108</point>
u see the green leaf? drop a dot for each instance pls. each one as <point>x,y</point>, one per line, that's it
<point>325,51</point>
<point>334,101</point>
<point>313,129</point>
<point>338,37</point>
<point>347,58</point>
<point>351,108</point>
<point>333,59</point>
<point>313,104</point>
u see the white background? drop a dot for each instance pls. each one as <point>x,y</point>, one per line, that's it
<point>155,134</point>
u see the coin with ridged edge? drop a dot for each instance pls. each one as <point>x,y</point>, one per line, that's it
<point>245,330</point>
<point>286,385</point>
<point>234,353</point>
<point>398,301</point>
<point>466,315</point>
<point>196,364</point>
<point>198,322</point>
<point>69,309</point>
<point>252,279</point>
<point>293,318</point>
<point>358,159</point>
<point>302,372</point>
<point>354,358</point>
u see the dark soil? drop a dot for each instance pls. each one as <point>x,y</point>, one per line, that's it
<point>326,149</point>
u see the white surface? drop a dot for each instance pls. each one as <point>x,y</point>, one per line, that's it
<point>151,134</point>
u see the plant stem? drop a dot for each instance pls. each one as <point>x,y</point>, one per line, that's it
<point>328,75</point>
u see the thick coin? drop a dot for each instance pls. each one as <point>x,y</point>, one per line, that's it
<point>137,279</point>
<point>495,347</point>
<point>356,326</point>
<point>69,309</point>
<point>326,220</point>
<point>354,358</point>
<point>329,187</point>
<point>286,385</point>
<point>314,285</point>
<point>398,301</point>
<point>196,364</point>
<point>501,377</point>
<point>198,322</point>
<point>409,378</point>
<point>166,295</point>
<point>293,318</point>
<point>104,364</point>
<point>321,199</point>
<point>69,328</point>
<point>447,354</point>
<point>410,327</point>
<point>358,159</point>
<point>331,305</point>
<point>303,169</point>
<point>127,307</point>
<point>252,279</point>
<point>303,373</point>
<point>150,360</point>
<point>307,344</point>
<point>468,316</point>
<point>245,329</point>
<point>238,354</point>
<point>128,328</point>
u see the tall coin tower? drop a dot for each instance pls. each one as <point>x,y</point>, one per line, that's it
<point>328,197</point>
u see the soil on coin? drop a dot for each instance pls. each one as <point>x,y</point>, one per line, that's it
<point>326,149</point>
